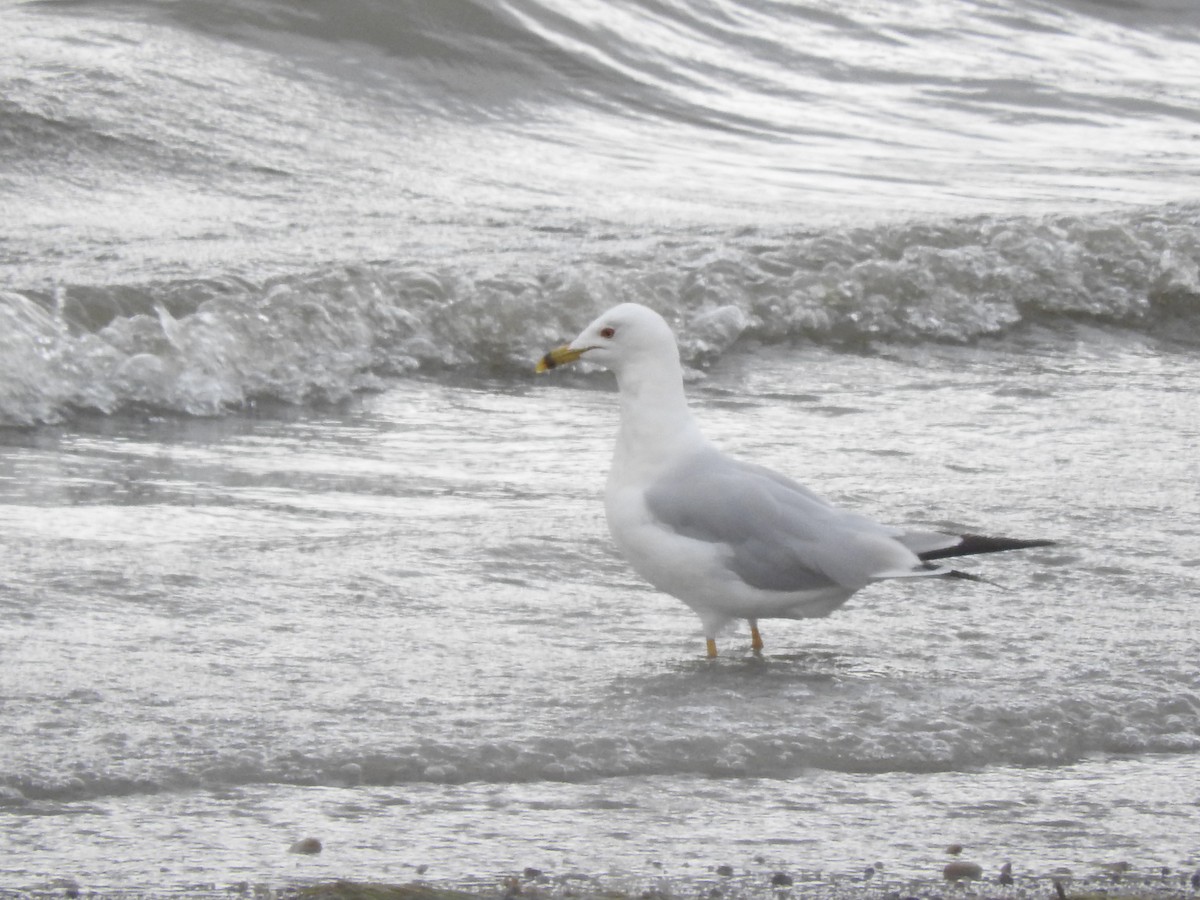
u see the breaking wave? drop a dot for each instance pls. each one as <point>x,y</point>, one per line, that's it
<point>212,346</point>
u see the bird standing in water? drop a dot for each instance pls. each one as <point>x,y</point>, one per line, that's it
<point>731,539</point>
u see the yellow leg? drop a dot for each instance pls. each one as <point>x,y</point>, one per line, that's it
<point>711,644</point>
<point>756,641</point>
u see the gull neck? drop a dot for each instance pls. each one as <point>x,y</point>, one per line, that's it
<point>656,423</point>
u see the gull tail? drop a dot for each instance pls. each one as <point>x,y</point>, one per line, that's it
<point>972,544</point>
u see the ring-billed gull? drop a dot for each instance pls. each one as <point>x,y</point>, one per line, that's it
<point>731,539</point>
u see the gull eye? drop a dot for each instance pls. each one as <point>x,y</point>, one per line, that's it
<point>607,331</point>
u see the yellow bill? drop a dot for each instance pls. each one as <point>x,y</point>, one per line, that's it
<point>559,356</point>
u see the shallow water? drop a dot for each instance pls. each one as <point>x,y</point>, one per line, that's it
<point>400,624</point>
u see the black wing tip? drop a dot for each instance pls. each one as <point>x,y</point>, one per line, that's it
<point>974,544</point>
<point>967,576</point>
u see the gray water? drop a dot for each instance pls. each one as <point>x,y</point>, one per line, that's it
<point>294,543</point>
<point>399,626</point>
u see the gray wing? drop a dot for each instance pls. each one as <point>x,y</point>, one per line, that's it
<point>782,536</point>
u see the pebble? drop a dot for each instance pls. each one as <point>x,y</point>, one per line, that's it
<point>69,886</point>
<point>781,879</point>
<point>1006,876</point>
<point>726,871</point>
<point>1116,870</point>
<point>954,849</point>
<point>957,871</point>
<point>309,846</point>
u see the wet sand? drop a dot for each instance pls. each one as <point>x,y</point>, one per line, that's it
<point>722,883</point>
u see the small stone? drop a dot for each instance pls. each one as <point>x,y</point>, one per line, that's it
<point>954,849</point>
<point>869,872</point>
<point>781,879</point>
<point>726,871</point>
<point>957,871</point>
<point>1005,876</point>
<point>69,886</point>
<point>1196,880</point>
<point>531,872</point>
<point>1117,869</point>
<point>422,869</point>
<point>309,846</point>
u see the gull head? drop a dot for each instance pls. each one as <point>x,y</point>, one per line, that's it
<point>627,336</point>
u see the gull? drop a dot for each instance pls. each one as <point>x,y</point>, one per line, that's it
<point>731,539</point>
